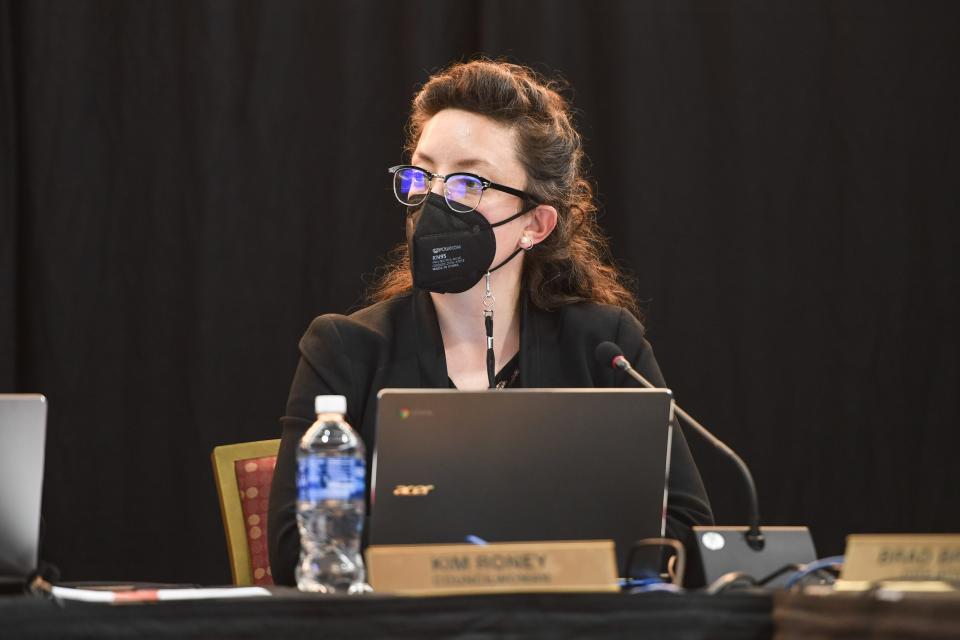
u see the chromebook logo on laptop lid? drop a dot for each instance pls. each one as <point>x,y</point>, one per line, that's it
<point>406,412</point>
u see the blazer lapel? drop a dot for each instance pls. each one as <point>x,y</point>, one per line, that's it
<point>534,329</point>
<point>430,355</point>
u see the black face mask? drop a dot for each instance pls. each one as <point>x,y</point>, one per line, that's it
<point>451,251</point>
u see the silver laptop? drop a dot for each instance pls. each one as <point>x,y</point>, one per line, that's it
<point>520,465</point>
<point>23,424</point>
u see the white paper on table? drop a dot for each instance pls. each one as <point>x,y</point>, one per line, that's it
<point>152,595</point>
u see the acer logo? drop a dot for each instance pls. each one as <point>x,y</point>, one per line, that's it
<point>412,489</point>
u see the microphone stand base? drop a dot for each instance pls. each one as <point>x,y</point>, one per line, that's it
<point>723,550</point>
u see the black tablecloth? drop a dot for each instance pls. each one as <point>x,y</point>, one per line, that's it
<point>298,616</point>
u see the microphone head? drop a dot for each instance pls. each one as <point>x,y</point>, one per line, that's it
<point>607,354</point>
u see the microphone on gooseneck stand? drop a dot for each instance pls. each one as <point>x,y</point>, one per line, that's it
<point>609,353</point>
<point>783,546</point>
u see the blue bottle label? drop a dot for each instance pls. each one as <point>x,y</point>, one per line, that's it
<point>336,478</point>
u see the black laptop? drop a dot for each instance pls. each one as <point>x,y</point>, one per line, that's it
<point>518,465</point>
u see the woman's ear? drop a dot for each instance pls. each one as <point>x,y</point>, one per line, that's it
<point>541,223</point>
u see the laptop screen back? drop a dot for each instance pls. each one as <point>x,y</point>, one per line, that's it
<point>22,435</point>
<point>519,465</point>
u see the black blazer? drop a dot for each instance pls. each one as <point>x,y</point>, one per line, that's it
<point>397,343</point>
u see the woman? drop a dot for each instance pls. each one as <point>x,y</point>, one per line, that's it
<point>502,244</point>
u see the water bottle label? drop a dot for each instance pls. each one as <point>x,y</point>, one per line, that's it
<point>339,478</point>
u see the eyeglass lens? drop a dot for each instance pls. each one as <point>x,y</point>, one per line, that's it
<point>411,185</point>
<point>462,192</point>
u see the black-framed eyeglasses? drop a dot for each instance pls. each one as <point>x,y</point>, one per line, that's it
<point>462,191</point>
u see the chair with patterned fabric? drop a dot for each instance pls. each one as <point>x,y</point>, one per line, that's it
<point>243,473</point>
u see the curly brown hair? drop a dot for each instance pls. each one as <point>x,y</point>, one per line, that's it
<point>573,263</point>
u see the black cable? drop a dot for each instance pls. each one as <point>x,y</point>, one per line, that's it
<point>779,572</point>
<point>728,580</point>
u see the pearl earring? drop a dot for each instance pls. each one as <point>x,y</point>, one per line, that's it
<point>525,242</point>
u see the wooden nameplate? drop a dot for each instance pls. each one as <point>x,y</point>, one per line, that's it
<point>445,569</point>
<point>874,557</point>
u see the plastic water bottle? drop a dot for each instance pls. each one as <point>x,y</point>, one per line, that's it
<point>331,478</point>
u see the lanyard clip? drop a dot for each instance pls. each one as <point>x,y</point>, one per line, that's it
<point>488,300</point>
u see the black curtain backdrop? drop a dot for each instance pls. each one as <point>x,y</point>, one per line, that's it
<point>184,186</point>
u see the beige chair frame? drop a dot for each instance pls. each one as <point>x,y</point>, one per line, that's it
<point>223,459</point>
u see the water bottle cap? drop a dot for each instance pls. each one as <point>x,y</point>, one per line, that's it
<point>330,404</point>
